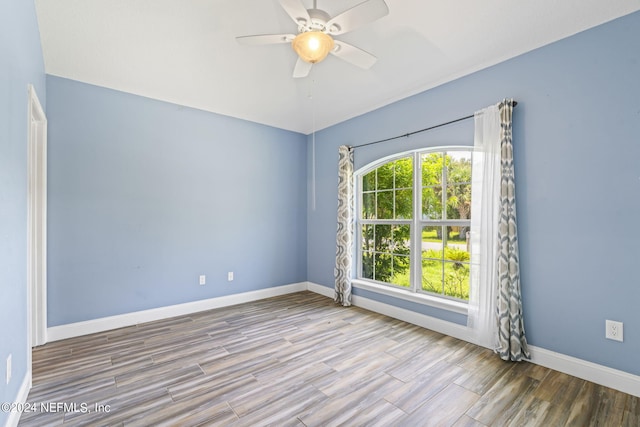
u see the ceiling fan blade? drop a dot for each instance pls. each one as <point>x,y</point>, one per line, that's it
<point>353,55</point>
<point>265,39</point>
<point>296,10</point>
<point>302,68</point>
<point>357,16</point>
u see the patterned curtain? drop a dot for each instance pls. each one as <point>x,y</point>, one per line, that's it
<point>344,237</point>
<point>512,343</point>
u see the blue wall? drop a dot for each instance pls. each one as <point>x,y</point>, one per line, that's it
<point>577,158</point>
<point>144,196</point>
<point>20,64</point>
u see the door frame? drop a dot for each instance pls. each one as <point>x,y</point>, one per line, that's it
<point>37,222</point>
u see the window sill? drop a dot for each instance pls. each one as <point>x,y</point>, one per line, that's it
<point>441,303</point>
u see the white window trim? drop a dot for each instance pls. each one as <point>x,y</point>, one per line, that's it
<point>417,297</point>
<point>432,300</point>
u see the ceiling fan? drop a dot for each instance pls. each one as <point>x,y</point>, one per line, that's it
<point>316,29</point>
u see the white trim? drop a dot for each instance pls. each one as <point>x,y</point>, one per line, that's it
<point>428,322</point>
<point>322,290</point>
<point>420,298</point>
<point>36,222</point>
<point>23,394</point>
<point>71,330</point>
<point>599,374</point>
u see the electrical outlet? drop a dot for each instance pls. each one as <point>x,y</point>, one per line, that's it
<point>8,368</point>
<point>230,276</point>
<point>614,330</point>
<point>203,279</point>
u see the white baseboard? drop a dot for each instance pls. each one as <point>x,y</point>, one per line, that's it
<point>23,394</point>
<point>599,374</point>
<point>71,330</point>
<point>322,290</point>
<point>428,322</point>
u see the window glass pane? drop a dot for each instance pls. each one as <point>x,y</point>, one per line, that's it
<point>432,276</point>
<point>401,250</point>
<point>457,240</point>
<point>400,271</point>
<point>401,239</point>
<point>385,176</point>
<point>385,253</point>
<point>432,266</point>
<point>432,242</point>
<point>456,269</point>
<point>459,201</point>
<point>459,167</point>
<point>367,265</point>
<point>432,203</point>
<point>368,246</point>
<point>383,238</point>
<point>431,169</point>
<point>383,268</point>
<point>367,238</point>
<point>369,181</point>
<point>369,205</point>
<point>384,205</point>
<point>456,279</point>
<point>445,272</point>
<point>404,204</point>
<point>404,173</point>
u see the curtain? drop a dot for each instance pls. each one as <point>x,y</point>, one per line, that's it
<point>485,197</point>
<point>344,236</point>
<point>512,343</point>
<point>495,304</point>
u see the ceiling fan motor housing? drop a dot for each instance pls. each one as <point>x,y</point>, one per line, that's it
<point>319,19</point>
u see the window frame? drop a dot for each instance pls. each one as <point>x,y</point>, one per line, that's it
<point>413,293</point>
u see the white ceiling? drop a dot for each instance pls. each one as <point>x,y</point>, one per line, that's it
<point>185,52</point>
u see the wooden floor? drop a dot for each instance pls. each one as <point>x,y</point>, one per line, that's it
<point>301,360</point>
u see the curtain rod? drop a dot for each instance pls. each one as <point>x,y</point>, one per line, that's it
<point>406,135</point>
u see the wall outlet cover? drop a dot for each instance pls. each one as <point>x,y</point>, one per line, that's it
<point>614,330</point>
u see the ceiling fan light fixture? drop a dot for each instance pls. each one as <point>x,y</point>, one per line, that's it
<point>312,46</point>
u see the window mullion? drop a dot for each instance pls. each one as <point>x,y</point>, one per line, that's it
<point>393,195</point>
<point>445,188</point>
<point>373,255</point>
<point>416,228</point>
<point>444,216</point>
<point>358,209</point>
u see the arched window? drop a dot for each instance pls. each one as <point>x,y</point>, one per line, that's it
<point>413,222</point>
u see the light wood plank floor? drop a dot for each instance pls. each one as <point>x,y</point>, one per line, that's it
<point>301,360</point>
